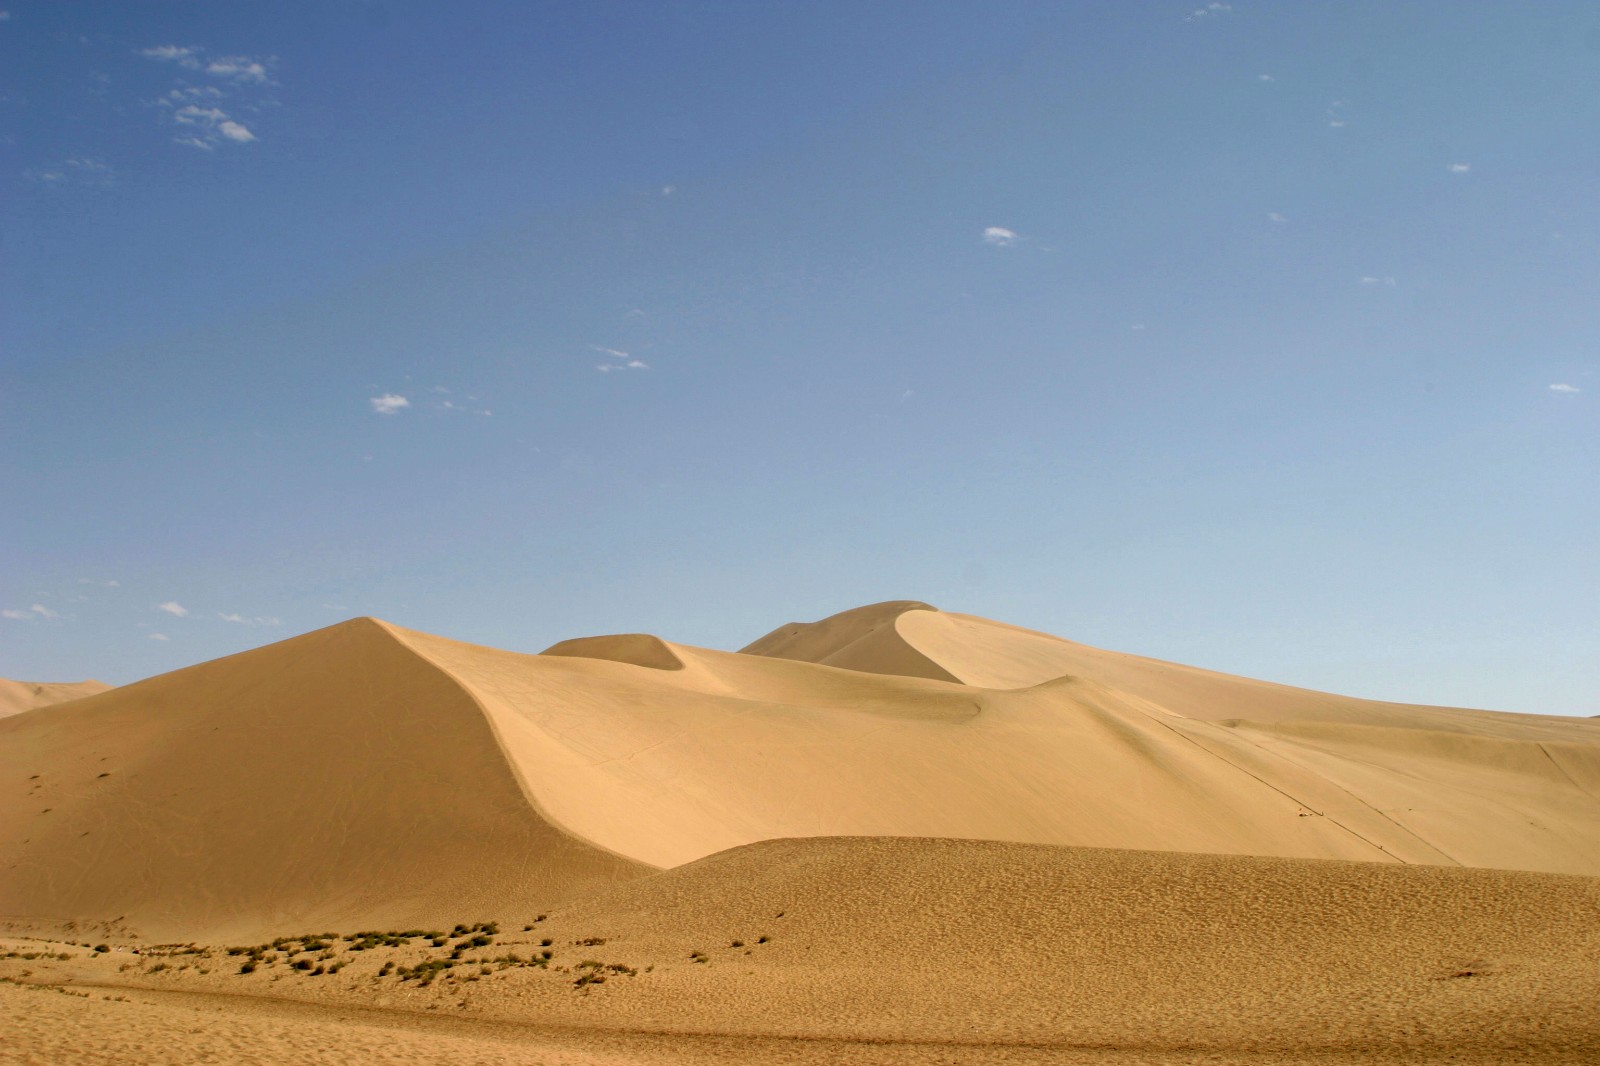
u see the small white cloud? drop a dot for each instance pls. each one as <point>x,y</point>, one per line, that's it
<point>1138,326</point>
<point>172,607</point>
<point>241,69</point>
<point>159,636</point>
<point>631,364</point>
<point>1214,10</point>
<point>16,615</point>
<point>80,171</point>
<point>239,619</point>
<point>1273,216</point>
<point>1563,387</point>
<point>613,352</point>
<point>188,58</point>
<point>235,132</point>
<point>668,190</point>
<point>190,94</point>
<point>1459,168</point>
<point>1000,237</point>
<point>1265,77</point>
<point>1368,279</point>
<point>389,403</point>
<point>42,611</point>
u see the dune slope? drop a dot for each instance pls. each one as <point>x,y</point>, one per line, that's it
<point>327,780</point>
<point>668,765</point>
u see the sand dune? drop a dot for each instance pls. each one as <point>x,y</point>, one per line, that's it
<point>893,836</point>
<point>371,775</point>
<point>330,779</point>
<point>19,696</point>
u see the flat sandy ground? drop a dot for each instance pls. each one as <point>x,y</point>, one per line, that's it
<point>884,951</point>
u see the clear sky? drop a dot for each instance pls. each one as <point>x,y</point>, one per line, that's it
<point>1260,336</point>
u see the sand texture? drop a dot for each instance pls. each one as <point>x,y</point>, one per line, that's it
<point>895,835</point>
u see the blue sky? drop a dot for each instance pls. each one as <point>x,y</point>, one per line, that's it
<point>1262,336</point>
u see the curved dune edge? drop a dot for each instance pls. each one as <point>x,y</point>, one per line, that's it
<point>867,638</point>
<point>19,696</point>
<point>332,779</point>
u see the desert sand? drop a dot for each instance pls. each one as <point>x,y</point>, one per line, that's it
<point>894,835</point>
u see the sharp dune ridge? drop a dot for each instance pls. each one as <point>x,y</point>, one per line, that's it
<point>957,826</point>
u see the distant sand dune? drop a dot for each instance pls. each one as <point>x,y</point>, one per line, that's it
<point>19,696</point>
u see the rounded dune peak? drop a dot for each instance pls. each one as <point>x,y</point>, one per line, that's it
<point>863,638</point>
<point>636,649</point>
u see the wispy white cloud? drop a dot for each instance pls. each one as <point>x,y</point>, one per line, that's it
<point>172,607</point>
<point>42,611</point>
<point>1335,113</point>
<point>668,190</point>
<point>1369,279</point>
<point>16,615</point>
<point>1563,387</point>
<point>239,619</point>
<point>242,69</point>
<point>631,364</point>
<point>185,56</point>
<point>159,636</point>
<point>389,403</point>
<point>615,353</point>
<point>1459,168</point>
<point>1000,237</point>
<point>1265,77</point>
<point>82,171</point>
<point>1210,11</point>
<point>1273,216</point>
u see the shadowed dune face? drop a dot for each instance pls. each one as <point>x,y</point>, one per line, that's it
<point>330,779</point>
<point>19,696</point>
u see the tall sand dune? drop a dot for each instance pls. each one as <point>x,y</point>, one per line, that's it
<point>369,775</point>
<point>331,779</point>
<point>19,696</point>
